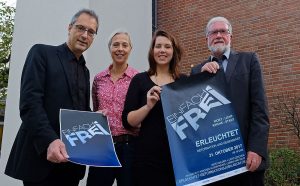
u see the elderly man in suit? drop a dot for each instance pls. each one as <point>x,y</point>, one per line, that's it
<point>244,83</point>
<point>53,77</point>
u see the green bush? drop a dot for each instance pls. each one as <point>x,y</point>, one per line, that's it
<point>284,168</point>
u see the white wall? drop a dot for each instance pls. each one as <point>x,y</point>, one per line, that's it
<point>46,22</point>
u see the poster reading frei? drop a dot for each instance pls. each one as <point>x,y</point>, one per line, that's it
<point>203,132</point>
<point>87,138</point>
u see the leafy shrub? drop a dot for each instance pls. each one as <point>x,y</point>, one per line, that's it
<point>284,168</point>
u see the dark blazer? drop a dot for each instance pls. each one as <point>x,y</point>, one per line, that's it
<point>45,89</point>
<point>247,93</point>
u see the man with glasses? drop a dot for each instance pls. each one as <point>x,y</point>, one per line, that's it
<point>245,87</point>
<point>53,77</point>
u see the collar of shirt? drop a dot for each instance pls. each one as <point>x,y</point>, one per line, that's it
<point>130,72</point>
<point>226,53</point>
<point>71,56</point>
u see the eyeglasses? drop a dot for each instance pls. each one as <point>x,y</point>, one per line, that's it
<point>215,32</point>
<point>82,29</point>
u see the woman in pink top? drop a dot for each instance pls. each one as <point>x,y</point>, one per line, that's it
<point>108,92</point>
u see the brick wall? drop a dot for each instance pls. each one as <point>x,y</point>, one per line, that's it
<point>269,27</point>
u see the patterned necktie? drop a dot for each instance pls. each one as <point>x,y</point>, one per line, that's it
<point>219,61</point>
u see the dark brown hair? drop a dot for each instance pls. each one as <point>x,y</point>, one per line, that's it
<point>176,58</point>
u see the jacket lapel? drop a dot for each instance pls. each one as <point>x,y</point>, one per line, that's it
<point>87,78</point>
<point>232,61</point>
<point>62,56</point>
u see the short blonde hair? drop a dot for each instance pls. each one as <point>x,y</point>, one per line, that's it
<point>117,32</point>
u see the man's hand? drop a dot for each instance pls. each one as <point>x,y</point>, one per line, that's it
<point>56,152</point>
<point>211,67</point>
<point>253,161</point>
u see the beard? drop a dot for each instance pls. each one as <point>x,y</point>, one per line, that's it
<point>219,50</point>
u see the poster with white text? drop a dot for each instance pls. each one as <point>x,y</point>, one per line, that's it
<point>203,132</point>
<point>87,138</point>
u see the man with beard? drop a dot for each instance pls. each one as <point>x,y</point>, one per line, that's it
<point>245,88</point>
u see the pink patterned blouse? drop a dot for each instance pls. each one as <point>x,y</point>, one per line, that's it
<point>111,96</point>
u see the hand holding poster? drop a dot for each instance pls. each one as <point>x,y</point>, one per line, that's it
<point>87,138</point>
<point>203,132</point>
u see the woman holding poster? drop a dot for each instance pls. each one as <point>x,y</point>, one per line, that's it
<point>143,109</point>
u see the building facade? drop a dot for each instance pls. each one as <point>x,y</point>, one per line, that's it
<point>269,28</point>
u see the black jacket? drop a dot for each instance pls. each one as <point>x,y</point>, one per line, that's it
<point>247,93</point>
<point>45,89</point>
